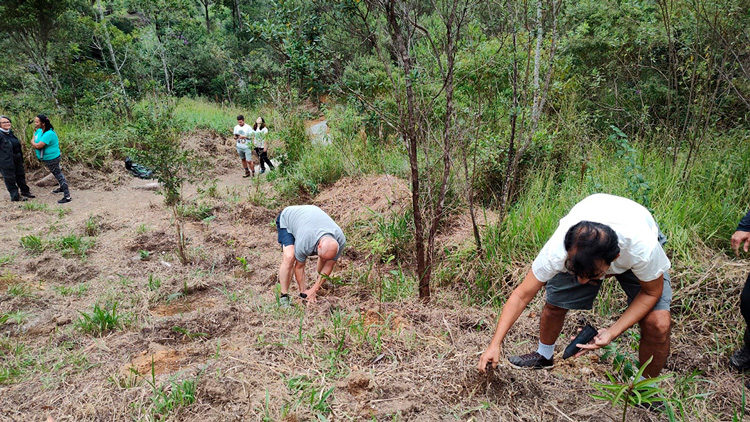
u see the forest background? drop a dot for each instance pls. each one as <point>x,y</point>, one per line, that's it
<point>509,111</point>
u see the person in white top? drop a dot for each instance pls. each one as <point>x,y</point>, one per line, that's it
<point>261,149</point>
<point>242,133</point>
<point>603,235</point>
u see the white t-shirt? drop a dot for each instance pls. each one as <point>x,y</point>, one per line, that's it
<point>637,236</point>
<point>260,137</point>
<point>244,130</point>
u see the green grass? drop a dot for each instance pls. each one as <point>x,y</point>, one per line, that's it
<point>73,244</point>
<point>16,317</point>
<point>77,290</point>
<point>7,259</point>
<point>194,114</point>
<point>91,227</point>
<point>100,320</point>
<point>32,243</point>
<point>195,210</point>
<point>19,290</point>
<point>34,206</point>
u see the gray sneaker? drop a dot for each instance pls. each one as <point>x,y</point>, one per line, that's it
<point>284,301</point>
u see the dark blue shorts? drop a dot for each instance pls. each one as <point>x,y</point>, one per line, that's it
<point>284,237</point>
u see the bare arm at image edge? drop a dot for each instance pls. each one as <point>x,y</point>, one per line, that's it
<point>517,302</point>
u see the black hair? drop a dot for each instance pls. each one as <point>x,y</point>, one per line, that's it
<point>45,122</point>
<point>6,117</point>
<point>240,117</point>
<point>590,245</point>
<point>262,124</point>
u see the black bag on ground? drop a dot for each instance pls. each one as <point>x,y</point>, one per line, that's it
<point>138,170</point>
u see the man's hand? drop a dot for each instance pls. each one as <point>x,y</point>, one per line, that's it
<point>603,338</point>
<point>738,238</point>
<point>490,356</point>
<point>310,295</point>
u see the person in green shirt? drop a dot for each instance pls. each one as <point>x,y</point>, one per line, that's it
<point>47,147</point>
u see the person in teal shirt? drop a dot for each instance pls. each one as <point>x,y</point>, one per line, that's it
<point>47,147</point>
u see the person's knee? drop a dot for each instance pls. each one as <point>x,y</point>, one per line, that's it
<point>657,326</point>
<point>556,310</point>
<point>288,260</point>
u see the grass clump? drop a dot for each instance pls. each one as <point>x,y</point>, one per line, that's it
<point>165,399</point>
<point>73,244</point>
<point>100,320</point>
<point>32,243</point>
<point>34,206</point>
<point>77,290</point>
<point>7,259</point>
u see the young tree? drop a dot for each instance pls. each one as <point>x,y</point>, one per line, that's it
<point>424,112</point>
<point>171,163</point>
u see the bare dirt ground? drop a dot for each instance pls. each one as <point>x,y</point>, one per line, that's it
<point>216,322</point>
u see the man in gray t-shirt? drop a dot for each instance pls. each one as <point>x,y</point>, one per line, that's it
<point>303,231</point>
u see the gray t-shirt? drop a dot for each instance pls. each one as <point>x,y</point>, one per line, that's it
<point>308,223</point>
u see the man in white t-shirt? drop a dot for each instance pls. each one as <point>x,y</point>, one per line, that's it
<point>603,235</point>
<point>242,136</point>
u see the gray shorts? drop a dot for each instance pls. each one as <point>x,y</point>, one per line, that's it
<point>245,153</point>
<point>564,290</point>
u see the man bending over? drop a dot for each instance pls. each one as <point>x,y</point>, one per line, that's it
<point>603,235</point>
<point>303,231</point>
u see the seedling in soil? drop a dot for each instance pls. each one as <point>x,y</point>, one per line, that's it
<point>100,320</point>
<point>19,290</point>
<point>17,317</point>
<point>153,282</point>
<point>181,393</point>
<point>187,333</point>
<point>144,255</point>
<point>32,243</point>
<point>73,244</point>
<point>244,264</point>
<point>92,227</point>
<point>6,259</point>
<point>633,391</point>
<point>142,229</point>
<point>78,290</point>
<point>34,206</point>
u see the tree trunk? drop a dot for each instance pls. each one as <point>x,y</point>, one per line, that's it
<point>411,137</point>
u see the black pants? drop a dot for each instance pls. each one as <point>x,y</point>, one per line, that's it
<point>745,309</point>
<point>263,158</point>
<point>15,178</point>
<point>54,167</point>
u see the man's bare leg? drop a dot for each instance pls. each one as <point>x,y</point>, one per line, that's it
<point>286,268</point>
<point>656,328</point>
<point>551,324</point>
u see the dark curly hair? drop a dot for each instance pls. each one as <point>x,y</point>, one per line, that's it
<point>590,245</point>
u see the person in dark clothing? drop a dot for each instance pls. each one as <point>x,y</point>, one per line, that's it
<point>11,162</point>
<point>740,360</point>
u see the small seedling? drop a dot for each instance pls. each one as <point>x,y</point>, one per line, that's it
<point>78,290</point>
<point>34,206</point>
<point>633,391</point>
<point>187,333</point>
<point>7,259</point>
<point>100,320</point>
<point>32,243</point>
<point>244,264</point>
<point>92,227</point>
<point>153,282</point>
<point>142,229</point>
<point>17,317</point>
<point>19,290</point>
<point>144,255</point>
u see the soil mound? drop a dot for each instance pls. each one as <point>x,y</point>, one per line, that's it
<point>352,199</point>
